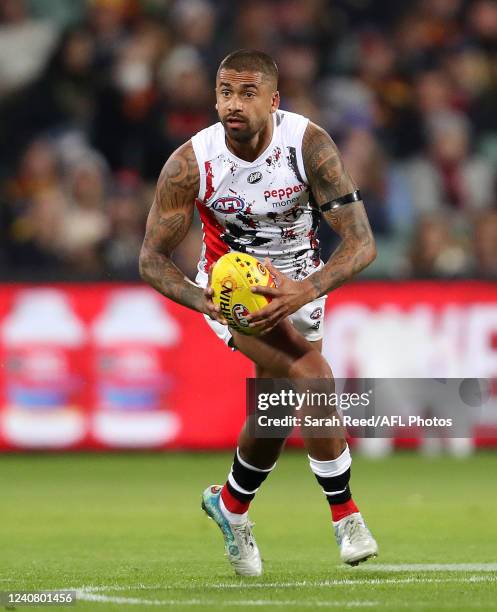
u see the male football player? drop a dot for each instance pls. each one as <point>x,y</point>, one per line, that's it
<point>261,179</point>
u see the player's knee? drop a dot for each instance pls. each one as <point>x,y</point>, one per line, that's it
<point>311,365</point>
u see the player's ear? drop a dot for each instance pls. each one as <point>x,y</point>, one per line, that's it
<point>275,101</point>
<point>216,106</point>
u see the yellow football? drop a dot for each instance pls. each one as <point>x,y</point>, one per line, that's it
<point>233,275</point>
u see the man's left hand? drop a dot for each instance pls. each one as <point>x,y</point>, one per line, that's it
<point>286,298</point>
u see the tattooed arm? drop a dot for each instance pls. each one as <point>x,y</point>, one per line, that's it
<point>329,180</point>
<point>168,222</point>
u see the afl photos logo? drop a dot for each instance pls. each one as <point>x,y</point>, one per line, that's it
<point>255,177</point>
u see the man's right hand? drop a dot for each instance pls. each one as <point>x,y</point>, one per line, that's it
<point>211,309</point>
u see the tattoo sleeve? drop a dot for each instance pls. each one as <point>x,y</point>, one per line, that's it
<point>329,180</point>
<point>168,222</point>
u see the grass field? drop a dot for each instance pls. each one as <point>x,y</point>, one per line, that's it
<point>127,532</point>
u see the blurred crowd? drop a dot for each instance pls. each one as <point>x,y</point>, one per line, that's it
<point>95,94</point>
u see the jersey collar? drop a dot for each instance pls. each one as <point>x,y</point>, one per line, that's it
<point>262,157</point>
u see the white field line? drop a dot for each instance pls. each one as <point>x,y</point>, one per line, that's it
<point>83,596</point>
<point>410,567</point>
<point>429,567</point>
<point>90,590</point>
<point>94,593</point>
<point>359,581</point>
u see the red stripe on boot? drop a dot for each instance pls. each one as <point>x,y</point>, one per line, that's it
<point>340,511</point>
<point>232,504</point>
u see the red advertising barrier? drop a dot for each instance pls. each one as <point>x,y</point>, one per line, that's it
<point>117,366</point>
<point>106,366</point>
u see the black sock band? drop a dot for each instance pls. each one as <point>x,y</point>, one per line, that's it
<point>336,488</point>
<point>243,481</point>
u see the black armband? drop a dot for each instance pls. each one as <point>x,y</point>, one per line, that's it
<point>355,196</point>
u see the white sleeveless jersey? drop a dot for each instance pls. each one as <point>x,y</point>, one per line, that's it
<point>260,207</point>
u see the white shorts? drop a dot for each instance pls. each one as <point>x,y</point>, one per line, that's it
<point>308,320</point>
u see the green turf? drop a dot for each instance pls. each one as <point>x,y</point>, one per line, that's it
<point>133,524</point>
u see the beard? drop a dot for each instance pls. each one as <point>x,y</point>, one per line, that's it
<point>243,133</point>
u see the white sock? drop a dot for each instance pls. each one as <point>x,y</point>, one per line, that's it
<point>234,519</point>
<point>333,467</point>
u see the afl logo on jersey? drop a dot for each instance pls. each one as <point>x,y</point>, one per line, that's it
<point>228,205</point>
<point>255,177</point>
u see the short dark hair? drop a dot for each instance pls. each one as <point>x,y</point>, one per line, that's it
<point>252,61</point>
